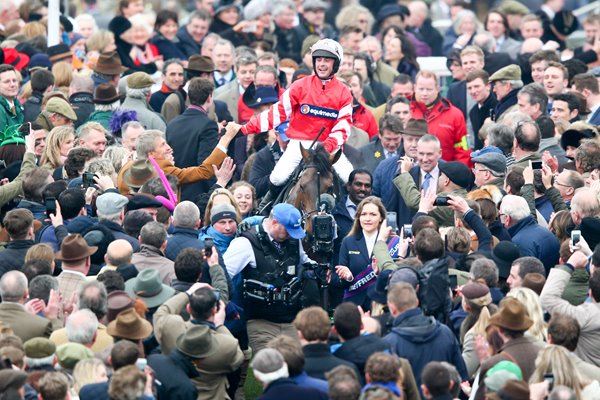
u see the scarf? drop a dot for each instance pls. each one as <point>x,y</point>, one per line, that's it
<point>220,241</point>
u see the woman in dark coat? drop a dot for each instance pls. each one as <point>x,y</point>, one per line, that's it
<point>165,36</point>
<point>355,268</point>
<point>121,28</point>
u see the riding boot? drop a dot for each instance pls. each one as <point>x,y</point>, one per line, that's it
<point>269,198</point>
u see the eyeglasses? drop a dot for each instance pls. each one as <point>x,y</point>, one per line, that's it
<point>473,170</point>
<point>561,184</point>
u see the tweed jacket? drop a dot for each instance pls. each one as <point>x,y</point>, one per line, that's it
<point>25,325</point>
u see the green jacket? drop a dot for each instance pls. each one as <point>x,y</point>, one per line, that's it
<point>524,161</point>
<point>7,118</point>
<point>576,290</point>
<point>13,189</point>
<point>385,73</point>
<point>411,195</point>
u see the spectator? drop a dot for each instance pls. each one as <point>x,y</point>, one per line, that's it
<point>386,145</point>
<point>313,329</point>
<point>59,142</point>
<point>527,144</point>
<point>106,102</point>
<point>479,91</point>
<point>434,343</point>
<point>428,104</point>
<point>41,286</point>
<point>521,267</point>
<point>291,350</point>
<point>165,37</point>
<point>93,136</point>
<point>271,371</point>
<point>383,370</point>
<point>75,256</point>
<point>88,371</point>
<point>42,81</point>
<point>526,234</point>
<point>153,242</point>
<point>130,383</point>
<point>437,383</point>
<point>506,83</point>
<point>512,323</point>
<point>191,35</point>
<point>39,355</point>
<point>8,97</point>
<point>118,258</point>
<point>13,289</point>
<point>110,208</point>
<point>138,91</point>
<point>19,226</point>
<point>172,81</point>
<point>343,384</point>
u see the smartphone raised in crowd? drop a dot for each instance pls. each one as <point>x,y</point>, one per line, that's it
<point>50,206</point>
<point>391,219</point>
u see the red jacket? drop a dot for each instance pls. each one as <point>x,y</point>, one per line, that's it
<point>447,123</point>
<point>363,118</point>
<point>310,104</point>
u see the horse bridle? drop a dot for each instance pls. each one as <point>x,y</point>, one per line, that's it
<point>306,214</point>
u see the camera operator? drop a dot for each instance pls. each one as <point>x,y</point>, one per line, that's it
<point>271,261</point>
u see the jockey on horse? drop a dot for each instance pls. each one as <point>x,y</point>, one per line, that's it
<point>311,104</point>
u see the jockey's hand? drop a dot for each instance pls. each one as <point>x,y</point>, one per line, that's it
<point>230,131</point>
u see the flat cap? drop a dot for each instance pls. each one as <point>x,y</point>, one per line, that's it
<point>62,107</point>
<point>69,354</point>
<point>139,80</point>
<point>111,203</point>
<point>513,7</point>
<point>511,72</point>
<point>474,290</point>
<point>310,5</point>
<point>493,161</point>
<point>39,347</point>
<point>458,173</point>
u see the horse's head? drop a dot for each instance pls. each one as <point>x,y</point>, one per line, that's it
<point>304,196</point>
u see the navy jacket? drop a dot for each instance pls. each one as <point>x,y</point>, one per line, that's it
<point>94,391</point>
<point>357,350</point>
<point>354,255</point>
<point>457,94</point>
<point>344,224</point>
<point>182,238</point>
<point>384,188</point>
<point>186,43</point>
<point>174,372</point>
<point>83,105</point>
<point>507,102</point>
<point>478,116</point>
<point>595,118</point>
<point>318,360</point>
<point>169,49</point>
<point>13,256</point>
<point>290,390</point>
<point>119,233</point>
<point>193,136</point>
<point>422,339</point>
<point>535,241</point>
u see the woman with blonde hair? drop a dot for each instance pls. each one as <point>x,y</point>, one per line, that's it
<point>88,371</point>
<point>41,251</point>
<point>531,301</point>
<point>101,41</point>
<point>117,155</point>
<point>477,302</point>
<point>59,142</point>
<point>556,361</point>
<point>63,75</point>
<point>355,15</point>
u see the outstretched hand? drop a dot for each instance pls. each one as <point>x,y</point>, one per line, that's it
<point>225,172</point>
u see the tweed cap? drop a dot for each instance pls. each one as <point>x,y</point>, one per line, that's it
<point>39,347</point>
<point>61,107</point>
<point>111,203</point>
<point>511,72</point>
<point>139,80</point>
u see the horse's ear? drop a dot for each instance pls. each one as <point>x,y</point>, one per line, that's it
<point>333,158</point>
<point>304,152</point>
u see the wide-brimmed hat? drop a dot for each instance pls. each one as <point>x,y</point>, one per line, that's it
<point>198,342</point>
<point>129,325</point>
<point>390,10</point>
<point>149,287</point>
<point>415,127</point>
<point>105,93</point>
<point>140,172</point>
<point>59,52</point>
<point>109,64</point>
<point>512,315</point>
<point>256,96</point>
<point>200,63</point>
<point>74,248</point>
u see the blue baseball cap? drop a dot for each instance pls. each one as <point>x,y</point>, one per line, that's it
<point>282,129</point>
<point>289,216</point>
<point>486,150</point>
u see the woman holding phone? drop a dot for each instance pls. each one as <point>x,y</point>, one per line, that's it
<point>357,269</point>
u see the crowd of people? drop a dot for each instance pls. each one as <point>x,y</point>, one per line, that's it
<point>148,251</point>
